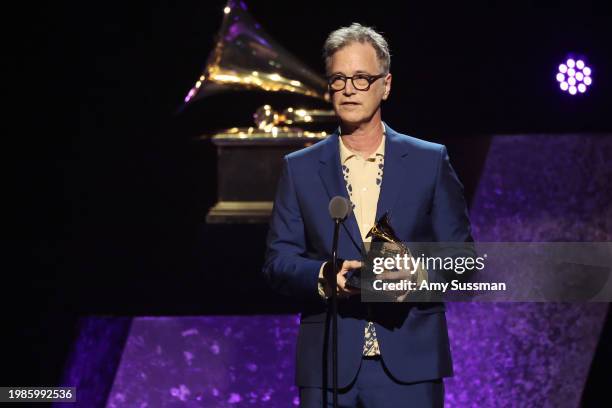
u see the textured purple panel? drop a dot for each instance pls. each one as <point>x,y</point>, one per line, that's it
<point>522,354</point>
<point>543,188</point>
<point>208,362</point>
<point>533,188</point>
<point>93,363</point>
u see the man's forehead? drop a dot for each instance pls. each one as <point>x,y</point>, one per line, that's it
<point>357,57</point>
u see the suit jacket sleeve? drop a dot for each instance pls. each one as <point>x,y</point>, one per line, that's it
<point>449,212</point>
<point>286,268</point>
<point>450,220</point>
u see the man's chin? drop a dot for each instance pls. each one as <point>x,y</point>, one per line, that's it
<point>352,119</point>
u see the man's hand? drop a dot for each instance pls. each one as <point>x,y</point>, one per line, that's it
<point>342,290</point>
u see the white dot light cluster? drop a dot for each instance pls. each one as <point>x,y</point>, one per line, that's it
<point>574,76</point>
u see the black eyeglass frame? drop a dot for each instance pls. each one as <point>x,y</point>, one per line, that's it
<point>370,78</point>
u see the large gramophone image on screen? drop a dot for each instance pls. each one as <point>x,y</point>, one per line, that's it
<point>246,60</point>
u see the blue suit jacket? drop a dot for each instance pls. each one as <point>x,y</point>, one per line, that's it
<point>425,198</point>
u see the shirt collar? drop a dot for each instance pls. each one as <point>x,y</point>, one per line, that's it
<point>346,153</point>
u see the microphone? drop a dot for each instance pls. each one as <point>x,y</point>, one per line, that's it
<point>339,208</point>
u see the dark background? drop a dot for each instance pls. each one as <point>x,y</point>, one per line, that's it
<point>114,202</point>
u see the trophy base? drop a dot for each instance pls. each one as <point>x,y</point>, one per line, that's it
<point>249,163</point>
<point>239,212</point>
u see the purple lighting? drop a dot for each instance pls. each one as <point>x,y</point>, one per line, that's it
<point>574,76</point>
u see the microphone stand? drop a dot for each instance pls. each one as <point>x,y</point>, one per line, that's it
<point>334,312</point>
<point>339,209</point>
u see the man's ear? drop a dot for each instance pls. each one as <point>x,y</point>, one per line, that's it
<point>387,86</point>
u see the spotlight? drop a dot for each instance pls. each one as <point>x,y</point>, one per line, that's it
<point>574,76</point>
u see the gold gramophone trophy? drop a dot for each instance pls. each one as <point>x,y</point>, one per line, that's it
<point>386,244</point>
<point>250,158</point>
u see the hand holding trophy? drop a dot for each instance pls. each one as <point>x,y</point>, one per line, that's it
<point>386,244</point>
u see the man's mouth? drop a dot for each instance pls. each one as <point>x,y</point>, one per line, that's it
<point>350,103</point>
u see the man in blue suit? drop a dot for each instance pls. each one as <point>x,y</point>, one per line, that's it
<point>390,354</point>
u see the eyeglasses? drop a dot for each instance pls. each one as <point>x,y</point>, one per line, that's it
<point>361,82</point>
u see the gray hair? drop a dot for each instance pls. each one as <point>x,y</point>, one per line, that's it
<point>357,33</point>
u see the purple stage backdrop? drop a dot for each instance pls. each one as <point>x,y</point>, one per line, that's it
<point>533,188</point>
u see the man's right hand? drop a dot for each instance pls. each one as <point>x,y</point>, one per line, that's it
<point>342,290</point>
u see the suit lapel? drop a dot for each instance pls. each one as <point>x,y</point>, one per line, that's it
<point>393,173</point>
<point>330,171</point>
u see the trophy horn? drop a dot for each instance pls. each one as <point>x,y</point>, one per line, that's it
<point>382,231</point>
<point>246,57</point>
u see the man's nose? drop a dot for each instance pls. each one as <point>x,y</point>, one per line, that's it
<point>348,88</point>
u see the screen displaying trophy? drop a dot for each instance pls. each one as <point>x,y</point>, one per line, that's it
<point>247,59</point>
